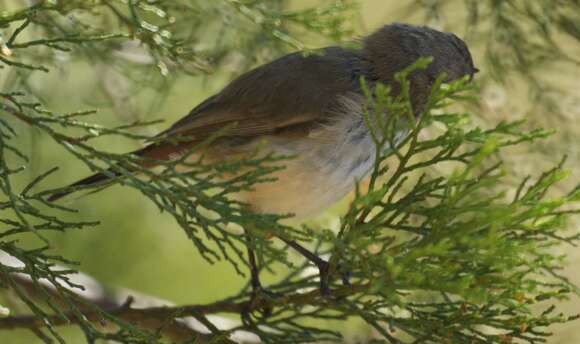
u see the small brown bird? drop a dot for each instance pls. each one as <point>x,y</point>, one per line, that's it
<point>310,106</point>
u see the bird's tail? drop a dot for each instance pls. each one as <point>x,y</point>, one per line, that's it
<point>152,154</point>
<point>101,179</point>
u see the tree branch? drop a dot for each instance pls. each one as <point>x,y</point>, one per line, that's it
<point>180,327</point>
<point>153,317</point>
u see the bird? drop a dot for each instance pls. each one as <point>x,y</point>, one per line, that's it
<point>310,106</point>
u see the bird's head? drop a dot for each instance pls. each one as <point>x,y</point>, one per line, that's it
<point>395,47</point>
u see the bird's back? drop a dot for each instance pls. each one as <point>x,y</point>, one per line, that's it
<point>297,88</point>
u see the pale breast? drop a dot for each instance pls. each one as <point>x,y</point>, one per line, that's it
<point>327,164</point>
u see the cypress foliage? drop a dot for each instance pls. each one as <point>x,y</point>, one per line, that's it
<point>439,245</point>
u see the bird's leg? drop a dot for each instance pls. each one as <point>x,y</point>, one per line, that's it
<point>254,271</point>
<point>257,288</point>
<point>255,283</point>
<point>323,265</point>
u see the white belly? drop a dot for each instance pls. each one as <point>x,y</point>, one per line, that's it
<point>327,166</point>
<point>329,161</point>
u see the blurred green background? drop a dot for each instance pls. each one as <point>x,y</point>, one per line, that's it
<point>138,248</point>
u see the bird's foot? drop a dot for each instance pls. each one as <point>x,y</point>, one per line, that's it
<point>325,275</point>
<point>260,300</point>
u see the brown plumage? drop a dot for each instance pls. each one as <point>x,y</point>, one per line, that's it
<point>310,106</point>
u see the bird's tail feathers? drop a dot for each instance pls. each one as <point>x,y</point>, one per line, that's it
<point>103,179</point>
<point>151,153</point>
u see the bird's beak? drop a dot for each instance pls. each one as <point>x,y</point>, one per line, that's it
<point>473,72</point>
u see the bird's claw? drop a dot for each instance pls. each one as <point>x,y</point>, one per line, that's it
<point>259,296</point>
<point>324,270</point>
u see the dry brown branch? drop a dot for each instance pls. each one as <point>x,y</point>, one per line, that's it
<point>127,304</point>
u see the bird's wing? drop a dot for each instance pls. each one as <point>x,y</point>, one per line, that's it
<point>296,89</point>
